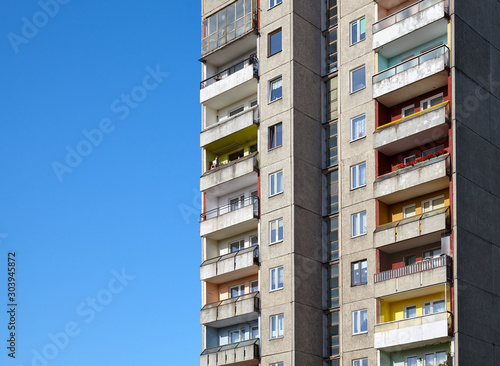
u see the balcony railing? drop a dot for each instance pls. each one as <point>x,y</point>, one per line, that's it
<point>446,104</point>
<point>232,300</point>
<point>252,60</point>
<point>414,61</point>
<point>403,14</point>
<point>418,267</point>
<point>216,212</point>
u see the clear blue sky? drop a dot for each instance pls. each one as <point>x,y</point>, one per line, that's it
<point>99,167</point>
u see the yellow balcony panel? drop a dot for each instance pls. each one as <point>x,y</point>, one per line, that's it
<point>244,353</point>
<point>232,311</point>
<point>412,232</point>
<point>389,4</point>
<point>422,274</point>
<point>240,127</point>
<point>242,263</point>
<point>415,130</point>
<point>411,182</point>
<point>410,27</point>
<point>412,78</point>
<point>412,333</point>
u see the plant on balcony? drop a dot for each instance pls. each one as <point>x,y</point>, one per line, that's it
<point>421,160</point>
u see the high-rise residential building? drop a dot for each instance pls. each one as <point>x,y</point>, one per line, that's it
<point>350,184</point>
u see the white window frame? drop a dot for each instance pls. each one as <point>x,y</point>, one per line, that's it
<point>271,239</point>
<point>270,88</point>
<point>434,354</point>
<point>403,110</point>
<point>241,335</point>
<point>353,138</point>
<point>234,110</point>
<point>277,175</point>
<point>405,216</point>
<point>360,228</point>
<point>351,86</point>
<point>277,364</point>
<point>240,287</point>
<point>412,356</point>
<point>359,322</point>
<point>358,26</point>
<point>274,278</point>
<point>431,250</point>
<point>428,100</point>
<point>241,202</point>
<point>432,306</point>
<point>277,321</point>
<point>252,285</point>
<point>356,169</point>
<point>239,243</point>
<point>276,3</point>
<point>431,206</point>
<point>360,362</point>
<point>252,244</point>
<point>410,306</point>
<point>409,158</point>
<point>252,329</point>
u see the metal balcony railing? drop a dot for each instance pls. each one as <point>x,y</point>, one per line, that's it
<point>232,207</point>
<point>226,347</point>
<point>252,60</point>
<point>405,13</point>
<point>412,62</point>
<point>445,104</point>
<point>235,300</point>
<point>425,265</point>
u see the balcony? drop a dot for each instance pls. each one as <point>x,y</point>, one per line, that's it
<point>414,332</point>
<point>412,131</point>
<point>412,77</point>
<point>230,85</point>
<point>230,266</point>
<point>244,353</point>
<point>425,20</point>
<point>404,184</point>
<point>412,232</point>
<point>232,311</point>
<point>426,273</point>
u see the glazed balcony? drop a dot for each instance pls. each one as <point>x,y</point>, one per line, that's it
<point>410,182</point>
<point>412,77</point>
<point>231,311</point>
<point>412,131</point>
<point>414,332</point>
<point>422,20</point>
<point>413,231</point>
<point>426,273</point>
<point>244,353</point>
<point>230,85</point>
<point>231,266</point>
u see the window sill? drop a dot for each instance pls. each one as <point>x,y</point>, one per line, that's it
<point>276,242</point>
<point>355,43</point>
<point>355,91</point>
<point>276,100</point>
<point>271,55</point>
<point>272,7</point>
<point>276,194</point>
<point>359,138</point>
<point>278,289</point>
<point>358,187</point>
<point>358,285</point>
<point>274,148</point>
<point>357,236</point>
<point>360,333</point>
<point>273,339</point>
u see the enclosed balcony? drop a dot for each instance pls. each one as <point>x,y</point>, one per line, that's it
<point>412,131</point>
<point>244,353</point>
<point>410,27</point>
<point>231,311</point>
<point>230,85</point>
<point>412,77</point>
<point>230,266</point>
<point>413,181</point>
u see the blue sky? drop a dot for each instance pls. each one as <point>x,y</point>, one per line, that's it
<point>99,167</point>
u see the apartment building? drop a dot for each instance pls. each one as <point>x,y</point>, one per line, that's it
<point>349,182</point>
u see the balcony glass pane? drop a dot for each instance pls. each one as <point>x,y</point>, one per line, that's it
<point>439,306</point>
<point>441,357</point>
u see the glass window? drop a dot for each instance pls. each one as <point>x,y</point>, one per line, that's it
<point>277,364</point>
<point>358,127</point>
<point>359,321</point>
<point>409,159</point>
<point>275,91</point>
<point>358,176</point>
<point>332,12</point>
<point>333,286</point>
<point>254,287</point>
<point>275,183</point>
<point>237,202</point>
<point>331,99</point>
<point>361,362</point>
<point>274,42</point>
<point>358,79</point>
<point>331,143</point>
<point>433,253</point>
<point>275,136</point>
<point>410,311</point>
<point>359,273</point>
<point>276,326</point>
<point>254,240</point>
<point>358,31</point>
<point>411,361</point>
<point>358,224</point>
<point>333,192</point>
<point>331,51</point>
<point>333,238</point>
<point>433,204</point>
<point>407,111</point>
<point>433,307</point>
<point>431,102</point>
<point>236,291</point>
<point>237,245</point>
<point>432,150</point>
<point>408,211</point>
<point>274,3</point>
<point>276,231</point>
<point>276,278</point>
<point>235,336</point>
<point>254,332</point>
<point>333,339</point>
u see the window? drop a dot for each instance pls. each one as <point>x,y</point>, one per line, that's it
<point>433,253</point>
<point>331,51</point>
<point>331,143</point>
<point>236,291</point>
<point>277,364</point>
<point>407,111</point>
<point>358,79</point>
<point>431,102</point>
<point>433,307</point>
<point>333,238</point>
<point>275,135</point>
<point>276,231</point>
<point>408,211</point>
<point>359,273</point>
<point>275,91</point>
<point>411,361</point>
<point>433,204</point>
<point>332,99</point>
<point>358,127</point>
<point>359,321</point>
<point>276,278</point>
<point>236,335</point>
<point>275,183</point>
<point>333,192</point>
<point>254,240</point>
<point>254,286</point>
<point>276,325</point>
<point>358,176</point>
<point>409,260</point>
<point>361,362</point>
<point>254,332</point>
<point>273,3</point>
<point>358,224</point>
<point>435,359</point>
<point>236,155</point>
<point>333,286</point>
<point>237,202</point>
<point>274,42</point>
<point>237,245</point>
<point>358,31</point>
<point>432,150</point>
<point>409,159</point>
<point>410,311</point>
<point>236,111</point>
<point>333,340</point>
<point>331,12</point>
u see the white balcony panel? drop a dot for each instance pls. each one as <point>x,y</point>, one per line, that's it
<point>224,129</point>
<point>230,266</point>
<point>230,177</point>
<point>412,333</point>
<point>408,183</point>
<point>231,312</point>
<point>231,89</point>
<point>415,130</point>
<point>245,354</point>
